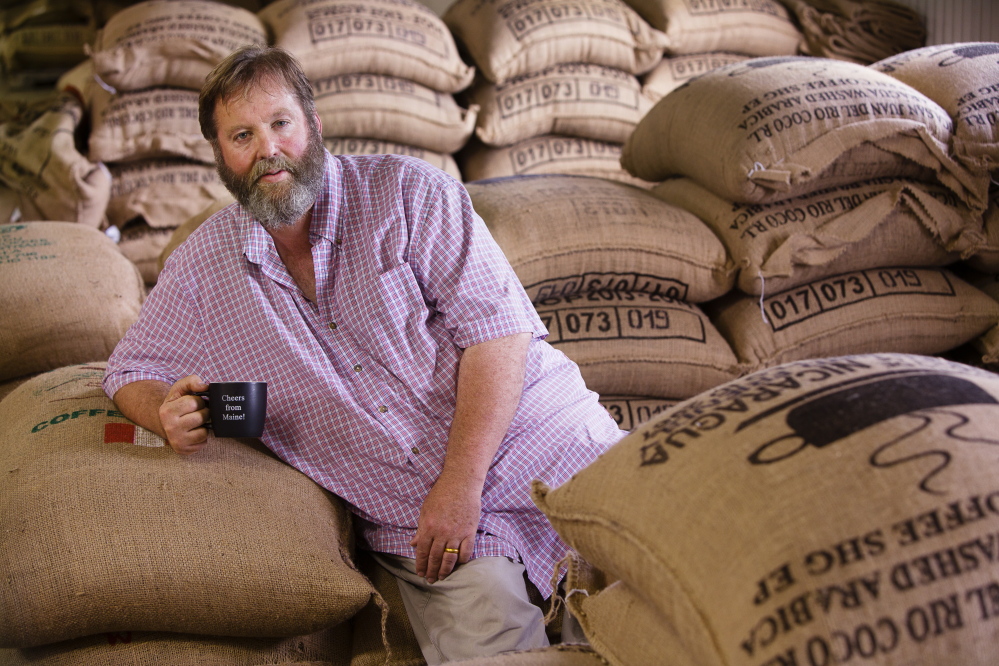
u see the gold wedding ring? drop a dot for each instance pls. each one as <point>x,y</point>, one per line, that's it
<point>450,550</point>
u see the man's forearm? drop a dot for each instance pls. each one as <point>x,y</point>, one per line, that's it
<point>140,402</point>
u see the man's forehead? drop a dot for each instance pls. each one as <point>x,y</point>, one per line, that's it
<point>270,88</point>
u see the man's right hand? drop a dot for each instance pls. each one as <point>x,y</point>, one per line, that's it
<point>183,415</point>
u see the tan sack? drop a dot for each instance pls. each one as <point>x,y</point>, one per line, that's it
<point>68,296</point>
<point>327,647</point>
<point>633,343</point>
<point>908,310</point>
<point>180,234</point>
<point>378,106</point>
<point>806,514</point>
<point>39,159</point>
<point>171,43</point>
<point>757,28</point>
<point>884,222</point>
<point>630,411</point>
<point>553,655</point>
<point>147,124</point>
<point>507,38</point>
<point>570,99</point>
<point>545,155</point>
<point>401,38</point>
<point>143,245</point>
<point>38,47</point>
<point>987,257</point>
<point>568,235</point>
<point>673,71</point>
<point>769,129</point>
<point>164,193</point>
<point>106,529</point>
<point>344,145</point>
<point>964,80</point>
<point>381,632</point>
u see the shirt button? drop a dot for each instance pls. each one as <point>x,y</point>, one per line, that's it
<point>383,409</point>
<point>357,368</point>
<point>339,241</point>
<point>416,451</point>
<point>332,325</point>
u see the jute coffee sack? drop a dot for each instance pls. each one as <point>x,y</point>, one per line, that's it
<point>388,108</point>
<point>327,647</point>
<point>631,343</point>
<point>108,530</point>
<point>908,310</point>
<point>629,411</point>
<point>146,124</point>
<point>349,145</point>
<point>68,296</point>
<point>987,257</point>
<point>165,193</point>
<point>143,245</point>
<point>381,632</point>
<point>769,129</point>
<point>171,43</point>
<point>402,38</point>
<point>39,159</point>
<point>868,224</point>
<point>554,655</point>
<point>827,511</point>
<point>38,47</point>
<point>508,38</point>
<point>673,71</point>
<point>180,234</point>
<point>546,155</point>
<point>964,80</point>
<point>569,99</point>
<point>758,28</point>
<point>567,235</point>
<point>8,386</point>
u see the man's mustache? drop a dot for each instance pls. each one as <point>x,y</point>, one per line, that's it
<point>271,165</point>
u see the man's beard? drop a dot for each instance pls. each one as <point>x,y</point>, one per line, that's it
<point>277,205</point>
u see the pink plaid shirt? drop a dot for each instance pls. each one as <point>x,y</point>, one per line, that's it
<point>362,383</point>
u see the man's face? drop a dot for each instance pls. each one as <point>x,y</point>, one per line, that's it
<point>269,154</point>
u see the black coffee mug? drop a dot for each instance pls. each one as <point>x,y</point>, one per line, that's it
<point>236,409</point>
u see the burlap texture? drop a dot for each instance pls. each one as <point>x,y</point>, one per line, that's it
<point>769,129</point>
<point>758,28</point>
<point>571,99</point>
<point>45,46</point>
<point>909,310</point>
<point>164,193</point>
<point>68,296</point>
<point>401,38</point>
<point>629,343</point>
<point>171,43</point>
<point>146,124</point>
<point>180,234</point>
<point>341,145</point>
<point>39,159</point>
<point>547,155</point>
<point>108,530</point>
<point>987,257</point>
<point>381,632</point>
<point>884,222</point>
<point>327,647</point>
<point>828,507</point>
<point>508,38</point>
<point>143,245</point>
<point>555,655</point>
<point>567,235</point>
<point>377,106</point>
<point>961,78</point>
<point>673,71</point>
<point>630,411</point>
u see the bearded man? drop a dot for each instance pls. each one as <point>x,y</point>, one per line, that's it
<point>407,369</point>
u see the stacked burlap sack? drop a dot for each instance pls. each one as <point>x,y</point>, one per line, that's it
<point>824,511</point>
<point>836,190</point>
<point>41,39</point>
<point>384,72</point>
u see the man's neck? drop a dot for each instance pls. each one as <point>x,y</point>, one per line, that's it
<point>295,249</point>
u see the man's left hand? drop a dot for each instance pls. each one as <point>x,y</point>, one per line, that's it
<point>448,520</point>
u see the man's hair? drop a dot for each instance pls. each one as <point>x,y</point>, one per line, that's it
<point>245,68</point>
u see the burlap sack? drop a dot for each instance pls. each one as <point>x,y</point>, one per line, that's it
<point>554,655</point>
<point>508,38</point>
<point>673,71</point>
<point>171,43</point>
<point>39,47</point>
<point>571,99</point>
<point>18,13</point>
<point>547,155</point>
<point>8,386</point>
<point>68,296</point>
<point>961,78</point>
<point>164,193</point>
<point>327,647</point>
<point>382,634</point>
<point>143,245</point>
<point>146,124</point>
<point>367,146</point>
<point>108,530</point>
<point>39,159</point>
<point>837,510</point>
<point>567,235</point>
<point>986,258</point>
<point>770,129</point>
<point>180,234</point>
<point>757,28</point>
<point>629,411</point>
<point>909,310</point>
<point>884,222</point>
<point>630,343</point>
<point>388,108</point>
<point>401,38</point>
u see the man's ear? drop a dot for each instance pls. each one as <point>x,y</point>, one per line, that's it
<point>319,123</point>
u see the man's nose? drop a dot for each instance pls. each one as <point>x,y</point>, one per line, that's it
<point>267,145</point>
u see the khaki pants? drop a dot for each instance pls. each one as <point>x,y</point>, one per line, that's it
<point>481,609</point>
